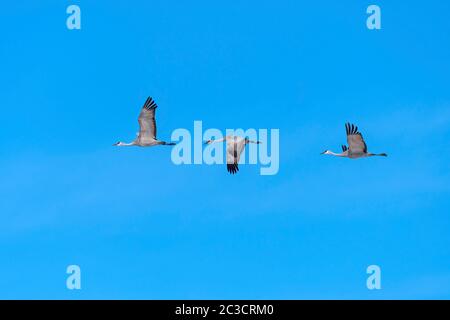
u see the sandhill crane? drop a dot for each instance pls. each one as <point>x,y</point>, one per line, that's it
<point>235,146</point>
<point>357,148</point>
<point>146,137</point>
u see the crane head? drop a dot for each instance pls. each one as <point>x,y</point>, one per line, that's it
<point>247,141</point>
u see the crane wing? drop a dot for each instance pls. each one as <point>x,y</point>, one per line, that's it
<point>355,140</point>
<point>147,123</point>
<point>234,149</point>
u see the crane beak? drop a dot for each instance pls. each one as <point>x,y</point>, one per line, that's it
<point>323,152</point>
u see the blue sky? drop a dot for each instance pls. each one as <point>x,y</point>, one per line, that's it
<point>142,228</point>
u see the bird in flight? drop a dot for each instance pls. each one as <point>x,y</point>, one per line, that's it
<point>235,146</point>
<point>146,137</point>
<point>357,148</point>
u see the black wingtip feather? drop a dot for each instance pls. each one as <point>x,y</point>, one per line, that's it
<point>232,168</point>
<point>351,129</point>
<point>150,104</point>
<point>348,128</point>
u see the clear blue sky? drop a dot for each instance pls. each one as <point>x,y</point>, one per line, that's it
<point>141,227</point>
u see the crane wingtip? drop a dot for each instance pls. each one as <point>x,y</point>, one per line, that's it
<point>232,168</point>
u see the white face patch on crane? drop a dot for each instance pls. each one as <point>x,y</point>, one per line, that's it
<point>189,148</point>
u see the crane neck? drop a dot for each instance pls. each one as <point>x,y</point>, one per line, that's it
<point>337,154</point>
<point>124,144</point>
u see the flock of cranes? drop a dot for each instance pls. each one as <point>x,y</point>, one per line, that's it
<point>146,137</point>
